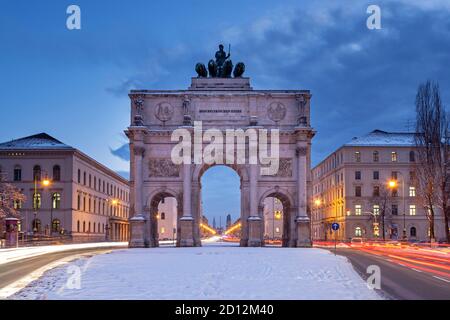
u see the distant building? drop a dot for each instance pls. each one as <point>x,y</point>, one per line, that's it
<point>84,199</point>
<point>167,219</point>
<point>228,224</point>
<point>350,184</point>
<point>273,218</point>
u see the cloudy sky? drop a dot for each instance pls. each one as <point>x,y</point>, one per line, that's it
<point>73,84</point>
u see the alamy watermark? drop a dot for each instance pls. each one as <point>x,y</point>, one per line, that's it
<point>374,280</point>
<point>229,149</point>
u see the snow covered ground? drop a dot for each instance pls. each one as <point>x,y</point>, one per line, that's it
<point>214,271</point>
<point>14,254</point>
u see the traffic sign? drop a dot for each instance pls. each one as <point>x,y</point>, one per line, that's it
<point>335,226</point>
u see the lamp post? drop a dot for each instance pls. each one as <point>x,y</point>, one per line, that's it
<point>393,185</point>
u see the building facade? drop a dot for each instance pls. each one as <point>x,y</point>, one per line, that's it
<point>273,219</point>
<point>67,192</point>
<point>366,177</point>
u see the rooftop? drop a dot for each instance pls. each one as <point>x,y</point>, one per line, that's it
<point>379,138</point>
<point>38,141</point>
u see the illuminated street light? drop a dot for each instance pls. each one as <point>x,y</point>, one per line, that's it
<point>317,202</point>
<point>392,184</point>
<point>46,182</point>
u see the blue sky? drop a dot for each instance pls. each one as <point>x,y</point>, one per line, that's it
<point>73,84</point>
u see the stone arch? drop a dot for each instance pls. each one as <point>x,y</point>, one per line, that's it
<point>289,238</point>
<point>151,209</point>
<point>241,171</point>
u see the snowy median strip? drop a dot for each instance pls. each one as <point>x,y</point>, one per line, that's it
<point>208,272</point>
<point>14,254</point>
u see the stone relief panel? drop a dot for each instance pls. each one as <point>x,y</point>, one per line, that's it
<point>163,168</point>
<point>276,111</point>
<point>164,111</point>
<point>284,169</point>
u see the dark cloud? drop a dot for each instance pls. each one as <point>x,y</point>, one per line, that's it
<point>122,152</point>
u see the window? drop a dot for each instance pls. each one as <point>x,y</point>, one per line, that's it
<point>376,209</point>
<point>56,200</point>
<point>277,230</point>
<point>358,232</point>
<point>79,176</point>
<point>84,204</point>
<point>394,192</point>
<point>36,225</point>
<point>56,173</point>
<point>394,156</point>
<point>163,215</point>
<point>394,175</point>
<point>78,202</point>
<point>84,177</point>
<point>17,173</point>
<point>17,204</point>
<point>89,227</point>
<point>376,191</point>
<point>413,232</point>
<point>412,176</point>
<point>376,175</point>
<point>95,183</point>
<point>394,209</point>
<point>90,180</point>
<point>358,156</point>
<point>376,156</point>
<point>412,156</point>
<point>163,229</point>
<point>78,226</point>
<point>412,191</point>
<point>37,173</point>
<point>358,191</point>
<point>84,226</point>
<point>56,225</point>
<point>358,210</point>
<point>412,210</point>
<point>36,201</point>
<point>357,175</point>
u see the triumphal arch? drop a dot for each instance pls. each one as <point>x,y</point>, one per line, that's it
<point>169,125</point>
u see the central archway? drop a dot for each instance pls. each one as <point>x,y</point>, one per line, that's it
<point>197,175</point>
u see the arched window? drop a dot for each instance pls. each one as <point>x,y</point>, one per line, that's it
<point>358,232</point>
<point>36,225</point>
<point>56,225</point>
<point>163,215</point>
<point>56,173</point>
<point>36,201</point>
<point>56,200</point>
<point>37,173</point>
<point>412,232</point>
<point>412,156</point>
<point>79,176</point>
<point>89,227</point>
<point>84,226</point>
<point>78,202</point>
<point>78,226</point>
<point>17,173</point>
<point>376,156</point>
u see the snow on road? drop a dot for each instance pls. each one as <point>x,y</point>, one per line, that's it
<point>210,272</point>
<point>14,254</point>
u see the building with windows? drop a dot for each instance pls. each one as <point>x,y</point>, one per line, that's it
<point>67,192</point>
<point>273,218</point>
<point>366,179</point>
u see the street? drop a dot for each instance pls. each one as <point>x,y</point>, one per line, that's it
<point>401,280</point>
<point>13,271</point>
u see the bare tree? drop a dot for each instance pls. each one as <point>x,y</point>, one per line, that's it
<point>10,196</point>
<point>432,142</point>
<point>381,197</point>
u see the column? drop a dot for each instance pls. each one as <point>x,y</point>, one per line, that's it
<point>254,220</point>
<point>137,222</point>
<point>187,221</point>
<point>302,219</point>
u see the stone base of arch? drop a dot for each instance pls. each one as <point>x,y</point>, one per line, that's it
<point>186,232</point>
<point>137,230</point>
<point>303,226</point>
<point>255,232</point>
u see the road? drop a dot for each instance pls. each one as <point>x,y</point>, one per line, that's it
<point>13,271</point>
<point>398,280</point>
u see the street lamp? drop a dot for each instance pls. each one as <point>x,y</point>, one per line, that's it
<point>393,184</point>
